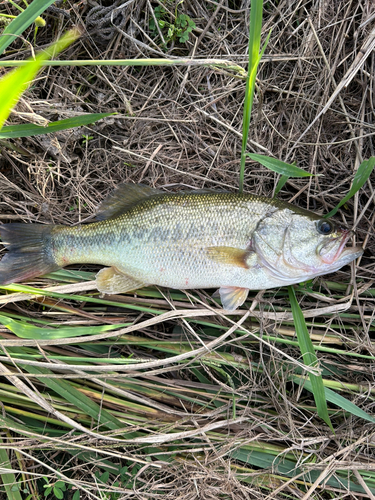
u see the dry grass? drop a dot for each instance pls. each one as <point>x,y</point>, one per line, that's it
<point>181,126</point>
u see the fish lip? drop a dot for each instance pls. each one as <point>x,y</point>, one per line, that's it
<point>329,258</point>
<point>354,253</point>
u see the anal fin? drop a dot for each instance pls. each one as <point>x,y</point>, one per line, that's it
<point>232,297</point>
<point>110,280</point>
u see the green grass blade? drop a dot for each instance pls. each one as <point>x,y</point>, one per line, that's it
<point>361,176</point>
<point>76,398</point>
<point>16,82</point>
<point>28,331</point>
<point>218,64</point>
<point>30,130</point>
<point>338,400</point>
<point>22,22</point>
<point>283,466</point>
<point>309,357</point>
<point>282,181</point>
<point>256,12</point>
<point>11,486</point>
<point>278,166</point>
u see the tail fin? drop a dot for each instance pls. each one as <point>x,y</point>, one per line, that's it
<point>29,252</point>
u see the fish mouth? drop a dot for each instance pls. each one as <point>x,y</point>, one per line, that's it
<point>334,250</point>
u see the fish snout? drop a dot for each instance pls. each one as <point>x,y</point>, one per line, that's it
<point>332,250</point>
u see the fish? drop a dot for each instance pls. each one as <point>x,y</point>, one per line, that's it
<point>185,240</point>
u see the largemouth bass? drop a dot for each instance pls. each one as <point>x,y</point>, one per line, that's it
<point>234,242</point>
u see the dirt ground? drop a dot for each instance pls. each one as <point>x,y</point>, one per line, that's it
<point>180,126</point>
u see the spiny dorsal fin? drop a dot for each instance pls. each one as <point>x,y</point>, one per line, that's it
<point>203,191</point>
<point>122,198</point>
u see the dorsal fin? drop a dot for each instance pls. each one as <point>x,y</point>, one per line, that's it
<point>203,191</point>
<point>122,198</point>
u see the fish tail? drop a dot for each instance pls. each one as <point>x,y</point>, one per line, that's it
<point>30,252</point>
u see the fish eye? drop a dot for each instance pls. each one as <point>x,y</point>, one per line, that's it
<point>325,227</point>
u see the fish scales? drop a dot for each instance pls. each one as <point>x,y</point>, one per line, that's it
<point>173,232</point>
<point>235,242</point>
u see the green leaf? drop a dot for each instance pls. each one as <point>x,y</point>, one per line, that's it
<point>104,477</point>
<point>22,22</point>
<point>361,176</point>
<point>282,181</point>
<point>279,166</point>
<point>182,20</point>
<point>256,14</point>
<point>76,495</point>
<point>338,400</point>
<point>30,130</point>
<point>8,479</point>
<point>281,465</point>
<point>159,11</point>
<point>60,484</point>
<point>28,331</point>
<point>309,357</point>
<point>76,398</point>
<point>58,493</point>
<point>14,83</point>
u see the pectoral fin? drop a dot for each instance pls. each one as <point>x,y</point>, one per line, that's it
<point>232,297</point>
<point>229,255</point>
<point>110,280</point>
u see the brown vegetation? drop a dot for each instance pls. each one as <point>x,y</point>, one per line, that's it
<point>181,126</point>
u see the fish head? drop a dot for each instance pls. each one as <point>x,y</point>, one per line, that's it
<point>295,245</point>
